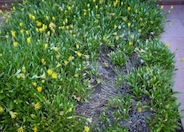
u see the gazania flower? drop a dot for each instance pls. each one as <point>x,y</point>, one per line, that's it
<point>13,33</point>
<point>15,44</point>
<point>37,106</point>
<point>54,75</point>
<point>20,129</point>
<point>13,114</point>
<point>39,89</point>
<point>86,129</point>
<point>1,110</point>
<point>29,40</point>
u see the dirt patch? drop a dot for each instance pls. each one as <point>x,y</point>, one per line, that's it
<point>105,90</point>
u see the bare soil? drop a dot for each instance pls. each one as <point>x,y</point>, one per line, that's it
<point>105,90</point>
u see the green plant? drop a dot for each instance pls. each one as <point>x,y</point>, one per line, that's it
<point>117,58</point>
<point>46,49</point>
<point>156,53</point>
<point>156,84</point>
<point>119,80</point>
<point>116,111</point>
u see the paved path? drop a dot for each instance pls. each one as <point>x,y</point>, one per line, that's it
<point>174,36</point>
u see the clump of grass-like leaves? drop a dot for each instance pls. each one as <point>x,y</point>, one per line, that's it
<point>46,48</point>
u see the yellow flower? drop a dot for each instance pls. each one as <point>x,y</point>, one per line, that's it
<point>34,84</point>
<point>53,18</point>
<point>22,30</point>
<point>76,75</point>
<point>70,58</point>
<point>43,61</point>
<point>130,43</point>
<point>37,29</point>
<point>139,109</point>
<point>29,40</point>
<point>85,13</point>
<point>14,8</point>
<point>172,7</point>
<point>101,1</point>
<point>39,89</point>
<point>69,8</point>
<point>56,48</point>
<point>20,129</point>
<point>66,62</point>
<point>54,75</point>
<point>58,65</point>
<point>23,69</point>
<point>1,110</point>
<point>31,17</point>
<point>37,106</point>
<point>162,7</point>
<point>128,8</point>
<point>86,129</point>
<point>13,33</point>
<point>48,33</point>
<point>117,38</point>
<point>88,5</point>
<point>57,56</point>
<point>182,59</point>
<point>38,23</point>
<point>46,46</point>
<point>47,17</point>
<point>77,46</point>
<point>132,36</point>
<point>27,32</point>
<point>15,44</point>
<point>71,31</point>
<point>44,27</point>
<point>13,114</point>
<point>35,129</point>
<point>79,54</point>
<point>94,1</point>
<point>129,24</point>
<point>21,24</point>
<point>66,20</point>
<point>41,30</point>
<point>1,11</point>
<point>70,109</point>
<point>52,25</point>
<point>167,44</point>
<point>21,75</point>
<point>115,3</point>
<point>49,71</point>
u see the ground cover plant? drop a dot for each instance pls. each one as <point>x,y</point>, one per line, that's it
<point>90,65</point>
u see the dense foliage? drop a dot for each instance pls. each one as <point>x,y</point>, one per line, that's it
<point>46,51</point>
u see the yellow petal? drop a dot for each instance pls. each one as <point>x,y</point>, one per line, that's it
<point>182,59</point>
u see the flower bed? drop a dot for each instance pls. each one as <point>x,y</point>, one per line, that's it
<point>85,66</point>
